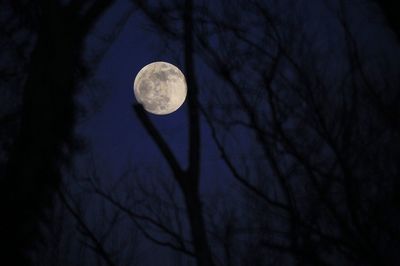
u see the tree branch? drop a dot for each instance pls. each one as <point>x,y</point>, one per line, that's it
<point>160,142</point>
<point>98,247</point>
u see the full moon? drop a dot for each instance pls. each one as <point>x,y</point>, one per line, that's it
<point>160,87</point>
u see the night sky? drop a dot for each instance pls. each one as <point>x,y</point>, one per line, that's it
<point>295,162</point>
<point>113,130</point>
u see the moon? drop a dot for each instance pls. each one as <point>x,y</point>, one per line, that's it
<point>160,87</point>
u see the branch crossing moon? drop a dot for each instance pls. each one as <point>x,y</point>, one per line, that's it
<point>160,87</point>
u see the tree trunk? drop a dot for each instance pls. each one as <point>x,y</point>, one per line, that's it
<point>198,231</point>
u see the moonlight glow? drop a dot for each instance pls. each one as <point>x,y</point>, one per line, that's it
<point>160,87</point>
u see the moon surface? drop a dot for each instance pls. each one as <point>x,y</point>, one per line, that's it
<point>160,87</point>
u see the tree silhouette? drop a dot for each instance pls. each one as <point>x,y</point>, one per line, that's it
<point>322,134</point>
<point>53,35</point>
<point>301,109</point>
<point>187,179</point>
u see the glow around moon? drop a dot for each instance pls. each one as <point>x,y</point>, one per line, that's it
<point>160,87</point>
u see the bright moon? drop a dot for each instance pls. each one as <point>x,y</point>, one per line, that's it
<point>160,87</point>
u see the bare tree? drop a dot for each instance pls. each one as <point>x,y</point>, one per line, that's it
<point>319,132</point>
<point>187,179</point>
<point>306,123</point>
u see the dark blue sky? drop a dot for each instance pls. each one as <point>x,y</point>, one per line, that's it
<point>117,139</point>
<point>115,136</point>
